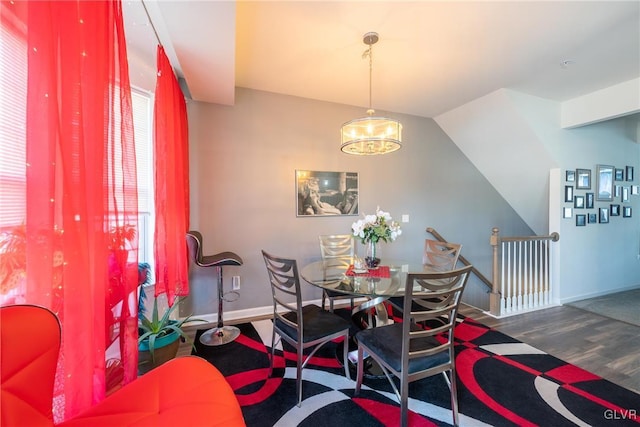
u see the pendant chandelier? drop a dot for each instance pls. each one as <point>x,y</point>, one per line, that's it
<point>371,135</point>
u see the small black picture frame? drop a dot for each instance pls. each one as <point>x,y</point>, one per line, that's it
<point>626,212</point>
<point>629,173</point>
<point>568,193</point>
<point>614,210</point>
<point>588,200</point>
<point>604,216</point>
<point>567,212</point>
<point>625,194</point>
<point>593,218</point>
<point>583,179</point>
<point>581,220</point>
<point>619,175</point>
<point>570,176</point>
<point>578,202</point>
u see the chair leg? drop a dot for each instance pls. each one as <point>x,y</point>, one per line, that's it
<point>273,345</point>
<point>324,298</point>
<point>360,371</point>
<point>345,356</point>
<point>299,352</point>
<point>454,397</point>
<point>404,402</point>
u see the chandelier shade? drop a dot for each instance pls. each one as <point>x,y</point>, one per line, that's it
<point>368,136</point>
<point>371,135</point>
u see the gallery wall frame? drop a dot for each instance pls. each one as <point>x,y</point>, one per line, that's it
<point>619,175</point>
<point>567,213</point>
<point>568,193</point>
<point>324,193</point>
<point>588,200</point>
<point>604,183</point>
<point>578,202</point>
<point>583,179</point>
<point>581,220</point>
<point>625,194</point>
<point>626,212</point>
<point>629,173</point>
<point>593,218</point>
<point>603,216</point>
<point>614,210</point>
<point>570,176</point>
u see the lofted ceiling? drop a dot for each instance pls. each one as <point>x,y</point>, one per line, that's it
<point>432,56</point>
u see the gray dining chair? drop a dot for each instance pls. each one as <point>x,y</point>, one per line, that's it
<point>303,327</point>
<point>436,256</point>
<point>411,351</point>
<point>336,246</point>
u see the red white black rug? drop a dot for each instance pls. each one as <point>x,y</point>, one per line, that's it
<point>501,382</point>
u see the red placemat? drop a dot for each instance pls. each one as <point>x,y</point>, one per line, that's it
<point>382,272</point>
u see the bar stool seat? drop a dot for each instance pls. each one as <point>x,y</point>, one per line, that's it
<point>220,334</point>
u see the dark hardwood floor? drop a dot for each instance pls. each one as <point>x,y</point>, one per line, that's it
<point>603,346</point>
<point>606,347</point>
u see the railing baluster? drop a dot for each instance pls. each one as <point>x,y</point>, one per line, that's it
<point>525,272</point>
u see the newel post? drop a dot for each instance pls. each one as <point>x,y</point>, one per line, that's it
<point>494,298</point>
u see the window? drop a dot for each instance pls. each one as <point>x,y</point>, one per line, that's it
<point>13,87</point>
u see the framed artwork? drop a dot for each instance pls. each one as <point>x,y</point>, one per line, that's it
<point>593,218</point>
<point>581,220</point>
<point>626,212</point>
<point>617,190</point>
<point>635,189</point>
<point>326,193</point>
<point>578,202</point>
<point>614,210</point>
<point>588,200</point>
<point>604,216</point>
<point>566,212</point>
<point>570,176</point>
<point>604,185</point>
<point>619,175</point>
<point>568,193</point>
<point>625,194</point>
<point>583,179</point>
<point>629,173</point>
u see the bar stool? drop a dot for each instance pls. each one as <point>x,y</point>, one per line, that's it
<point>221,334</point>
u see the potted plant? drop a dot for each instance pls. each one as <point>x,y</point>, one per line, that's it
<point>159,337</point>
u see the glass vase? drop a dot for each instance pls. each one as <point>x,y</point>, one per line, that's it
<point>372,259</point>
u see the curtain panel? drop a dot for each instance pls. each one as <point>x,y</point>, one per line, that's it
<point>171,173</point>
<point>79,208</point>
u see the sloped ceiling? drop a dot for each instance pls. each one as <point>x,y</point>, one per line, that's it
<point>432,56</point>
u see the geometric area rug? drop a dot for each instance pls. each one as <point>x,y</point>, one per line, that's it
<point>501,382</point>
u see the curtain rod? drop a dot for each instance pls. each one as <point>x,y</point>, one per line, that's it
<point>151,22</point>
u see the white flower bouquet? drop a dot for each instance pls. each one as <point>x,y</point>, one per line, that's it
<point>375,228</point>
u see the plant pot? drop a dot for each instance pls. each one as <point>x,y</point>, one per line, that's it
<point>166,349</point>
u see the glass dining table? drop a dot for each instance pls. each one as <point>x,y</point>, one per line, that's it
<point>374,286</point>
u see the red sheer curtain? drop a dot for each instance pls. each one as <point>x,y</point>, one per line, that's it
<point>171,183</point>
<point>79,189</point>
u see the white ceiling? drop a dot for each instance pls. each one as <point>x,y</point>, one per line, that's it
<point>432,56</point>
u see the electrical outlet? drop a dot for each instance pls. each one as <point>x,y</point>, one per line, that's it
<point>235,281</point>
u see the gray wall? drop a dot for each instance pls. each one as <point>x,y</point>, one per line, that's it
<point>243,161</point>
<point>528,142</point>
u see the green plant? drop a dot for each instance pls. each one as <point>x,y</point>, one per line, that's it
<point>156,327</point>
<point>120,235</point>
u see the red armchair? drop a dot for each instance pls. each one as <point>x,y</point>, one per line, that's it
<point>184,391</point>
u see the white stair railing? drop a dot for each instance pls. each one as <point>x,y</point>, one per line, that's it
<point>522,273</point>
